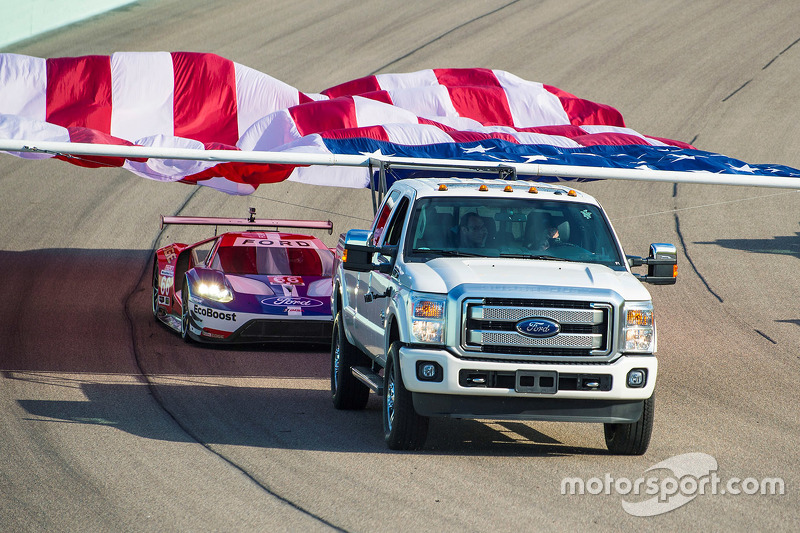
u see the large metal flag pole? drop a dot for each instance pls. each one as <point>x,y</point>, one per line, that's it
<point>364,160</point>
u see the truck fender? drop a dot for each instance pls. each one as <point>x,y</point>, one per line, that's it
<point>339,302</point>
<point>397,319</point>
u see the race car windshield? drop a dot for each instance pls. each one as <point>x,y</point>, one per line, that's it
<point>273,261</point>
<point>511,227</point>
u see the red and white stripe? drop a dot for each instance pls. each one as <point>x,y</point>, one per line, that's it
<point>132,95</point>
<point>489,96</point>
<point>204,101</point>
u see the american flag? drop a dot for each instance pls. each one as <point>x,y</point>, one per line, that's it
<point>204,101</point>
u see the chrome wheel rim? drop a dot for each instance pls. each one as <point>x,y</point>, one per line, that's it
<point>336,368</point>
<point>390,400</point>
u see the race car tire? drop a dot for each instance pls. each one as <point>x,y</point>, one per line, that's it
<point>185,312</point>
<point>403,428</point>
<point>156,289</point>
<point>631,439</point>
<point>348,393</point>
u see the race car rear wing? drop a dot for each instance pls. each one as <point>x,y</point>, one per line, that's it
<point>249,222</point>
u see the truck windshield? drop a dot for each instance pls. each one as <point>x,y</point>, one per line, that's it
<point>510,227</point>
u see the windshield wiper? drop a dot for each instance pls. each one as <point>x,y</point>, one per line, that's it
<point>453,253</point>
<point>536,256</point>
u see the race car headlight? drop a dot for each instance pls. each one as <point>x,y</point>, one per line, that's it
<point>639,330</point>
<point>427,320</point>
<point>214,291</point>
<point>321,287</point>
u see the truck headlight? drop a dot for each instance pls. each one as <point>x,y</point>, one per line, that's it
<point>639,328</point>
<point>427,320</point>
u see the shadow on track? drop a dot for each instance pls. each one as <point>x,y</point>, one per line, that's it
<point>779,245</point>
<point>64,311</point>
<point>279,418</point>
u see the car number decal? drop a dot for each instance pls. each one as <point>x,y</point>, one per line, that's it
<point>286,280</point>
<point>165,285</point>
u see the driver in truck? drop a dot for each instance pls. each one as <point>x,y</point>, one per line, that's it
<point>542,234</point>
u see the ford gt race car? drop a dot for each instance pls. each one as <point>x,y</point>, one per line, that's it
<point>246,286</point>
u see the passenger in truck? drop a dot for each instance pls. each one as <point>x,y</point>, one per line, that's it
<point>472,231</point>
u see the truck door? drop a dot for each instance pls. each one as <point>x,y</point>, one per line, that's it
<point>382,284</point>
<point>356,291</point>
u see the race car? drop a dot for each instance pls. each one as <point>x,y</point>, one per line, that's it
<point>246,286</point>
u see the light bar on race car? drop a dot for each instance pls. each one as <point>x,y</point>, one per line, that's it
<point>250,222</point>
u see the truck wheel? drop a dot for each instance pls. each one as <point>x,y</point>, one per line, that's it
<point>632,439</point>
<point>403,428</point>
<point>346,390</point>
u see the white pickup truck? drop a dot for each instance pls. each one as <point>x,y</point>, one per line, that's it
<point>495,299</point>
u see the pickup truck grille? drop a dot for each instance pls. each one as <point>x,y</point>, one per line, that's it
<point>490,332</point>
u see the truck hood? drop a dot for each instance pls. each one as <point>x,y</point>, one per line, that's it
<point>437,275</point>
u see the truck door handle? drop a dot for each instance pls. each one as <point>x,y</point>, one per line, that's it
<point>371,295</point>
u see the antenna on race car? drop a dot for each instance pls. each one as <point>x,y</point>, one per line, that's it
<point>252,218</point>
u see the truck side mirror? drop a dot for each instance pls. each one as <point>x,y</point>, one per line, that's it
<point>662,264</point>
<point>359,255</point>
<point>358,252</point>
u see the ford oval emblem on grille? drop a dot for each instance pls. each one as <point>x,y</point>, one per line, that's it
<point>291,301</point>
<point>538,327</point>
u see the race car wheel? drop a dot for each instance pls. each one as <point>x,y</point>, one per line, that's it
<point>632,439</point>
<point>403,428</point>
<point>156,288</point>
<point>346,390</point>
<point>185,312</point>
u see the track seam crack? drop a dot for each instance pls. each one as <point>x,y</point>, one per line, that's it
<point>702,278</point>
<point>770,62</point>
<point>442,36</point>
<point>689,257</point>
<point>737,90</point>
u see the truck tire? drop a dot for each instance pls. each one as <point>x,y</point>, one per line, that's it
<point>631,439</point>
<point>403,428</point>
<point>347,392</point>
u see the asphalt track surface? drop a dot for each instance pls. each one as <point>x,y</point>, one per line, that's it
<point>109,422</point>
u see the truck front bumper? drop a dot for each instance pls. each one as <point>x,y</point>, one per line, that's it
<point>465,388</point>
